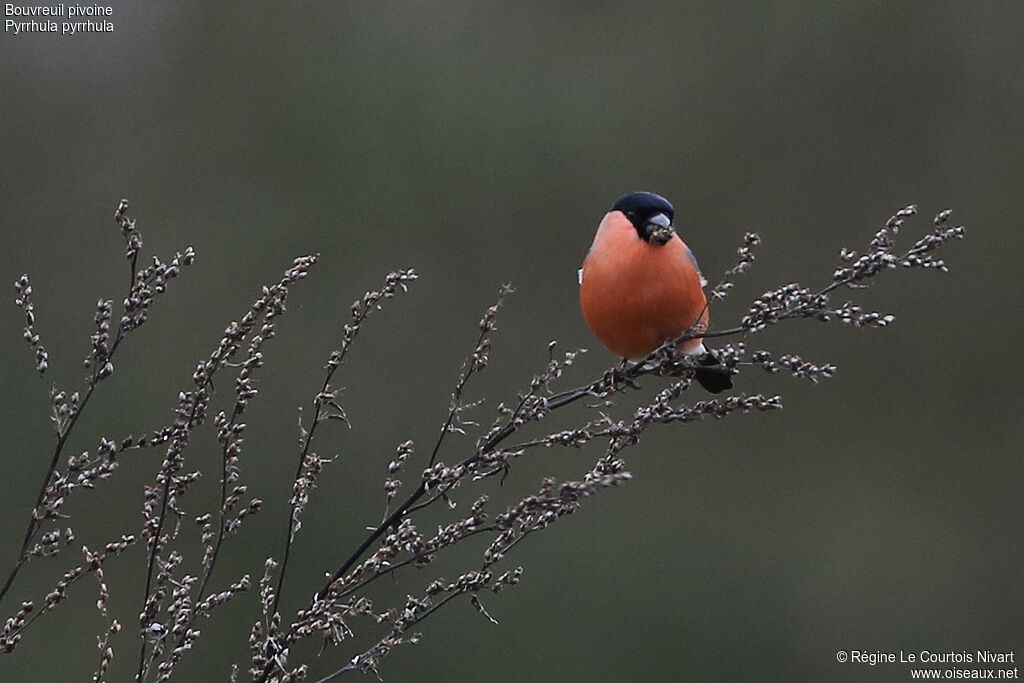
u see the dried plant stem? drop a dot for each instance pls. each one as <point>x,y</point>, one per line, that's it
<point>470,366</point>
<point>35,522</point>
<point>191,413</point>
<point>181,428</point>
<point>94,564</point>
<point>221,510</point>
<point>293,505</point>
<point>326,405</point>
<point>412,559</point>
<point>143,286</point>
<point>477,361</point>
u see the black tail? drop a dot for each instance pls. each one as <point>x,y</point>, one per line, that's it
<point>711,375</point>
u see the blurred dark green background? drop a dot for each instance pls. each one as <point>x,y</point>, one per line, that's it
<point>480,143</point>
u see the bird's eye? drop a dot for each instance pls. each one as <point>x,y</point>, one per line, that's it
<point>631,215</point>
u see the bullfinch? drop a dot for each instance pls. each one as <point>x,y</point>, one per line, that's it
<point>640,286</point>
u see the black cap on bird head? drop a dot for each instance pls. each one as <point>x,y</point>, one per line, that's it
<point>650,214</point>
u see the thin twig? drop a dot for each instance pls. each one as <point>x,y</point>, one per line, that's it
<point>361,309</point>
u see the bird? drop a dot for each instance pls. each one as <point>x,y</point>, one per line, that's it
<point>640,286</point>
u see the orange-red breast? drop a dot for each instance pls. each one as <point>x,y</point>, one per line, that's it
<point>640,285</point>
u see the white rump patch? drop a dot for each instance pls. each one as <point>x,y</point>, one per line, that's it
<point>699,350</point>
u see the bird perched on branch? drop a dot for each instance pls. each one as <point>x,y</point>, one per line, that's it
<point>640,286</point>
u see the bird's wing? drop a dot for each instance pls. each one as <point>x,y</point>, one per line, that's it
<point>693,259</point>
